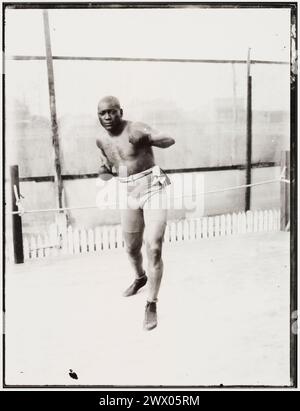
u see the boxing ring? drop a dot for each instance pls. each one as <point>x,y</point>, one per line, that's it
<point>228,289</point>
<point>223,309</point>
<point>224,305</point>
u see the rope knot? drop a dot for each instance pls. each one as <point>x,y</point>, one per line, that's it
<point>21,209</point>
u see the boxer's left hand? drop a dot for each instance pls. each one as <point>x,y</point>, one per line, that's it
<point>139,137</point>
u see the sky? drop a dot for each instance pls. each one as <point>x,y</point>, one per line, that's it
<point>161,33</point>
<point>158,33</point>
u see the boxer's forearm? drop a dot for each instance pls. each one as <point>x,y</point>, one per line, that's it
<point>142,134</point>
<point>161,141</point>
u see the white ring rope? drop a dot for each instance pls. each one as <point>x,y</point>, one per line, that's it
<point>21,210</point>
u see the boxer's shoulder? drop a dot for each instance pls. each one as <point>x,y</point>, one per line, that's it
<point>99,142</point>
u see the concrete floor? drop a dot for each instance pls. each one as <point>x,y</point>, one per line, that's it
<point>223,317</point>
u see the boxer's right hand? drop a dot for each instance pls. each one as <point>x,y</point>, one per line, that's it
<point>139,136</point>
<point>105,174</point>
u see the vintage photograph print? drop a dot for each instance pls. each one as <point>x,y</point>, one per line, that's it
<point>150,160</point>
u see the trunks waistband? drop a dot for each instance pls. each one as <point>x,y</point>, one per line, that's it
<point>156,171</point>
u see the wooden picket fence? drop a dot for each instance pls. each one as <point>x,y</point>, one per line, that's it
<point>79,240</point>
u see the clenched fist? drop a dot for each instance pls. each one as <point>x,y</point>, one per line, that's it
<point>139,135</point>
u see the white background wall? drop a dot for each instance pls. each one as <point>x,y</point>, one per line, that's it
<point>201,105</point>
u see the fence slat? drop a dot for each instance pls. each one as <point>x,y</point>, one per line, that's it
<point>70,240</point>
<point>205,227</point>
<point>76,241</point>
<point>260,221</point>
<point>98,239</point>
<point>271,220</point>
<point>180,231</point>
<point>83,240</point>
<point>91,241</point>
<point>105,238</point>
<point>266,221</point>
<point>33,247</point>
<point>249,221</point>
<point>40,247</point>
<point>53,235</point>
<point>198,229</point>
<point>229,224</point>
<point>217,226</point>
<point>26,248</point>
<point>210,226</point>
<point>255,221</point>
<point>193,230</point>
<point>113,240</point>
<point>241,223</point>
<point>277,220</point>
<point>119,237</point>
<point>173,232</point>
<point>223,225</point>
<point>234,223</point>
<point>47,245</point>
<point>63,234</point>
<point>186,230</point>
<point>167,233</point>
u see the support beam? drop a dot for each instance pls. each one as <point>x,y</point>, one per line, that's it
<point>249,134</point>
<point>54,127</point>
<point>16,219</point>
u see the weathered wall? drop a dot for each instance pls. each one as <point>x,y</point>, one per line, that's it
<point>206,114</point>
<point>203,106</point>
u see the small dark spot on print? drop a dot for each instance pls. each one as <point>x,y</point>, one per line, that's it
<point>73,375</point>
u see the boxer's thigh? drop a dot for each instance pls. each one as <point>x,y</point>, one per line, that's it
<point>132,220</point>
<point>155,216</point>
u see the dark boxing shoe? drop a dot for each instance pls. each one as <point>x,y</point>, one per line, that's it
<point>150,321</point>
<point>135,286</point>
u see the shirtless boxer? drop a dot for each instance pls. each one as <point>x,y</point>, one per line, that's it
<point>127,147</point>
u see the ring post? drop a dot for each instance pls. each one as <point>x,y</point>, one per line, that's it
<point>285,191</point>
<point>16,218</point>
<point>249,135</point>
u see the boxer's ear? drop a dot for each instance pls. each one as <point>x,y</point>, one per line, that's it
<point>121,112</point>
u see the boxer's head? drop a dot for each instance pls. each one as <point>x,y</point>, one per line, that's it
<point>110,113</point>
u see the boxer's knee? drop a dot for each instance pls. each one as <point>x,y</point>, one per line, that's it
<point>134,250</point>
<point>154,252</point>
<point>133,244</point>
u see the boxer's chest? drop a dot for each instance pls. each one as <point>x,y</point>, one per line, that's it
<point>118,148</point>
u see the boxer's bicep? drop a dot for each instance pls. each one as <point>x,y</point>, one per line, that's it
<point>103,160</point>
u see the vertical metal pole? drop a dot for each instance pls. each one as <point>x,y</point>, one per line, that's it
<point>249,134</point>
<point>55,139</point>
<point>16,219</point>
